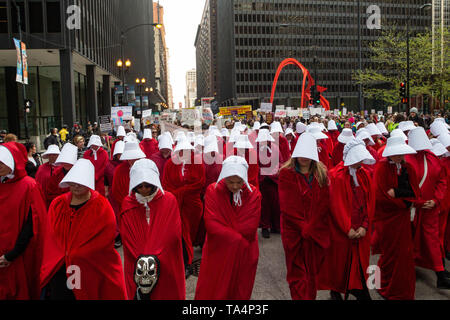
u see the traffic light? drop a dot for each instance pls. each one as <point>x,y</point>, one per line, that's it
<point>403,90</point>
<point>313,95</point>
<point>405,100</point>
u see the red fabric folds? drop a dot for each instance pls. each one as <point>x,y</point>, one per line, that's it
<point>53,190</point>
<point>85,238</point>
<point>161,238</point>
<point>149,147</point>
<point>100,166</point>
<point>230,255</point>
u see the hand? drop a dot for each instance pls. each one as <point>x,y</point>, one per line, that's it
<point>430,204</point>
<point>352,234</point>
<point>391,193</point>
<point>3,262</point>
<point>361,232</point>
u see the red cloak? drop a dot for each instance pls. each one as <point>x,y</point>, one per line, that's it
<point>160,162</point>
<point>344,258</point>
<point>392,233</point>
<point>187,190</point>
<point>109,175</point>
<point>305,231</point>
<point>231,252</point>
<point>251,156</point>
<point>121,182</point>
<point>85,238</point>
<point>325,153</point>
<point>100,166</point>
<point>20,281</point>
<point>283,145</point>
<point>333,136</point>
<point>113,146</point>
<point>161,238</point>
<point>53,190</point>
<point>43,175</point>
<point>426,238</point>
<point>338,154</point>
<point>445,212</point>
<point>149,147</point>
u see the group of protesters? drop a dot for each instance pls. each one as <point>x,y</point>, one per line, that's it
<point>337,189</point>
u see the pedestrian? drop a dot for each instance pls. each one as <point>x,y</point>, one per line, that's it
<point>338,151</point>
<point>282,143</point>
<point>243,147</point>
<point>148,144</point>
<point>80,240</point>
<point>292,140</point>
<point>184,176</point>
<point>99,158</point>
<point>352,205</point>
<point>23,218</point>
<point>325,153</point>
<point>46,170</point>
<point>231,252</point>
<point>304,201</point>
<point>33,162</point>
<point>3,134</point>
<point>150,227</point>
<point>120,136</point>
<point>64,163</point>
<point>52,138</point>
<point>396,189</point>
<point>270,160</point>
<point>414,117</point>
<point>80,142</point>
<point>433,186</point>
<point>165,147</point>
<point>333,132</point>
<point>63,134</point>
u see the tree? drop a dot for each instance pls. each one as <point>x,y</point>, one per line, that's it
<point>389,65</point>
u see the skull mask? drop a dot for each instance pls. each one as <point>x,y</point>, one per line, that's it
<point>147,273</point>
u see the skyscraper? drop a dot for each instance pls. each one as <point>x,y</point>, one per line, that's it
<point>191,88</point>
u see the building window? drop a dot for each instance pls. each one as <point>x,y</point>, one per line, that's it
<point>36,17</point>
<point>3,17</point>
<point>53,17</point>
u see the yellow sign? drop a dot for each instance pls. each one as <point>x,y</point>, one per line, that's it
<point>231,111</point>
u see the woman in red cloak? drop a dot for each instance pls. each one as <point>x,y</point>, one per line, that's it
<point>80,262</point>
<point>46,170</point>
<point>243,147</point>
<point>396,188</point>
<point>433,187</point>
<point>184,176</point>
<point>352,205</point>
<point>304,199</point>
<point>148,144</point>
<point>230,254</point>
<point>23,221</point>
<point>150,226</point>
<point>121,134</point>
<point>99,158</point>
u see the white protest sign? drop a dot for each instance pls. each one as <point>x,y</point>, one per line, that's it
<point>344,111</point>
<point>266,107</point>
<point>280,107</point>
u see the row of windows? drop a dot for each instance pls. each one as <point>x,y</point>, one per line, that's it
<point>287,90</point>
<point>295,76</point>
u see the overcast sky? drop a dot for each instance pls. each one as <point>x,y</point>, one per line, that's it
<point>181,19</point>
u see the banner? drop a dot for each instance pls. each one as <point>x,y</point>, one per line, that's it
<point>266,107</point>
<point>207,115</point>
<point>344,111</point>
<point>147,113</point>
<point>22,62</point>
<point>237,110</point>
<point>293,113</point>
<point>105,124</point>
<point>121,114</point>
<point>389,110</point>
<point>306,114</point>
<point>189,116</point>
<point>280,107</point>
<point>280,114</point>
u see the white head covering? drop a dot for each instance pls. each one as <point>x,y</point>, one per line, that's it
<point>235,166</point>
<point>121,131</point>
<point>199,140</point>
<point>373,130</point>
<point>322,127</point>
<point>264,135</point>
<point>437,128</point>
<point>169,136</point>
<point>355,151</point>
<point>95,140</point>
<point>418,140</point>
<point>82,172</point>
<point>289,131</point>
<point>256,125</point>
<point>179,136</point>
<point>300,127</point>
<point>275,127</point>
<point>224,132</point>
<point>397,146</point>
<point>144,170</point>
<point>184,144</point>
<point>381,126</point>
<point>406,125</point>
<point>130,138</point>
<point>191,137</point>
<point>165,141</point>
<point>316,131</point>
<point>398,133</point>
<point>119,147</point>
<point>52,149</point>
<point>211,145</point>
<point>443,121</point>
<point>234,134</point>
<point>147,134</point>
<point>7,158</point>
<point>346,136</point>
<point>214,131</point>
<point>445,140</point>
<point>306,147</point>
<point>242,142</point>
<point>69,154</point>
<point>332,125</point>
<point>364,134</point>
<point>438,148</point>
<point>358,124</point>
<point>132,151</point>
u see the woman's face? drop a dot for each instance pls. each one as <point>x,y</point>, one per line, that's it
<point>33,150</point>
<point>397,159</point>
<point>234,184</point>
<point>4,169</point>
<point>304,162</point>
<point>80,143</point>
<point>347,125</point>
<point>52,158</point>
<point>145,189</point>
<point>78,190</point>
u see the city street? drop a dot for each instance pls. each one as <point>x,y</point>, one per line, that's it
<point>271,284</point>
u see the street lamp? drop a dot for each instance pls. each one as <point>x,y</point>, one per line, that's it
<point>140,83</point>
<point>120,65</point>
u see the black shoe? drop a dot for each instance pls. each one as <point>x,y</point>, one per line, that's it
<point>443,283</point>
<point>195,267</point>
<point>118,242</point>
<point>187,271</point>
<point>335,295</point>
<point>265,233</point>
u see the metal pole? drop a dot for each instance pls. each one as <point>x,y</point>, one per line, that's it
<point>125,98</point>
<point>407,66</point>
<point>140,107</point>
<point>360,94</point>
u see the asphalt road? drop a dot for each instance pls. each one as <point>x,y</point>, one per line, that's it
<point>271,284</point>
